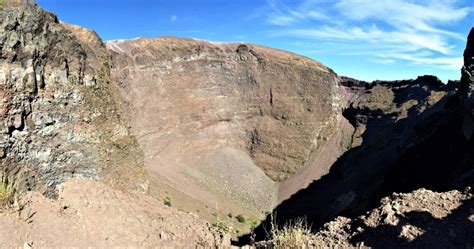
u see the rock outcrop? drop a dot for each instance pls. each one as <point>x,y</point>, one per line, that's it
<point>420,219</point>
<point>58,115</point>
<point>467,87</point>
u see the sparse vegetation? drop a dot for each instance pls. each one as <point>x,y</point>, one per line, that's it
<point>167,201</point>
<point>230,215</point>
<point>296,234</point>
<point>254,224</point>
<point>435,96</point>
<point>222,226</point>
<point>240,218</point>
<point>6,194</point>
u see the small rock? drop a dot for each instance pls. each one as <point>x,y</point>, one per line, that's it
<point>163,236</point>
<point>26,246</point>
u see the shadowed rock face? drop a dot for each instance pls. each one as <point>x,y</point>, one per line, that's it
<point>408,135</point>
<point>232,117</point>
<point>396,125</point>
<point>467,87</point>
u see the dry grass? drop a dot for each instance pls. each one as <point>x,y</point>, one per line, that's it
<point>294,234</point>
<point>435,97</point>
<point>223,226</point>
<point>6,195</point>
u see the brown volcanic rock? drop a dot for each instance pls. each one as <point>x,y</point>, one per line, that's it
<point>225,114</point>
<point>58,116</point>
<point>15,3</point>
<point>420,219</point>
<point>85,36</point>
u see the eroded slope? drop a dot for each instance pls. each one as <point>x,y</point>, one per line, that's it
<point>232,118</point>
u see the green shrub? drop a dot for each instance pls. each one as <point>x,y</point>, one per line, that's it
<point>222,226</point>
<point>167,201</point>
<point>254,224</point>
<point>240,218</point>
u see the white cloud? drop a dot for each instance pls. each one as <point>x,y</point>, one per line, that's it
<point>400,29</point>
<point>402,40</point>
<point>384,61</point>
<point>280,14</point>
<point>405,14</point>
<point>280,20</point>
<point>446,63</point>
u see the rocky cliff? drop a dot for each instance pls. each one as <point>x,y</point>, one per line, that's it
<point>59,118</point>
<point>467,87</point>
<point>233,118</point>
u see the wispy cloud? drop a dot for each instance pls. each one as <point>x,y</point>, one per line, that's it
<point>406,30</point>
<point>282,15</point>
<point>395,39</point>
<point>281,20</point>
<point>445,63</point>
<point>173,18</point>
<point>384,61</point>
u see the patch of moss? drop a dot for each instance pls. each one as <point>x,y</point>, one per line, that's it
<point>240,218</point>
<point>167,201</point>
<point>254,224</point>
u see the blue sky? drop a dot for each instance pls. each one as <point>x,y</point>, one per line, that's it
<point>364,39</point>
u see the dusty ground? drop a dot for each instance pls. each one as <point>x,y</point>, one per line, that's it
<point>90,214</point>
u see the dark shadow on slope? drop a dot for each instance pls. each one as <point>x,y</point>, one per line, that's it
<point>456,230</point>
<point>425,149</point>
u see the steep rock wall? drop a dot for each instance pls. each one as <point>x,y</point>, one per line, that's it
<point>467,87</point>
<point>58,115</point>
<point>232,117</point>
